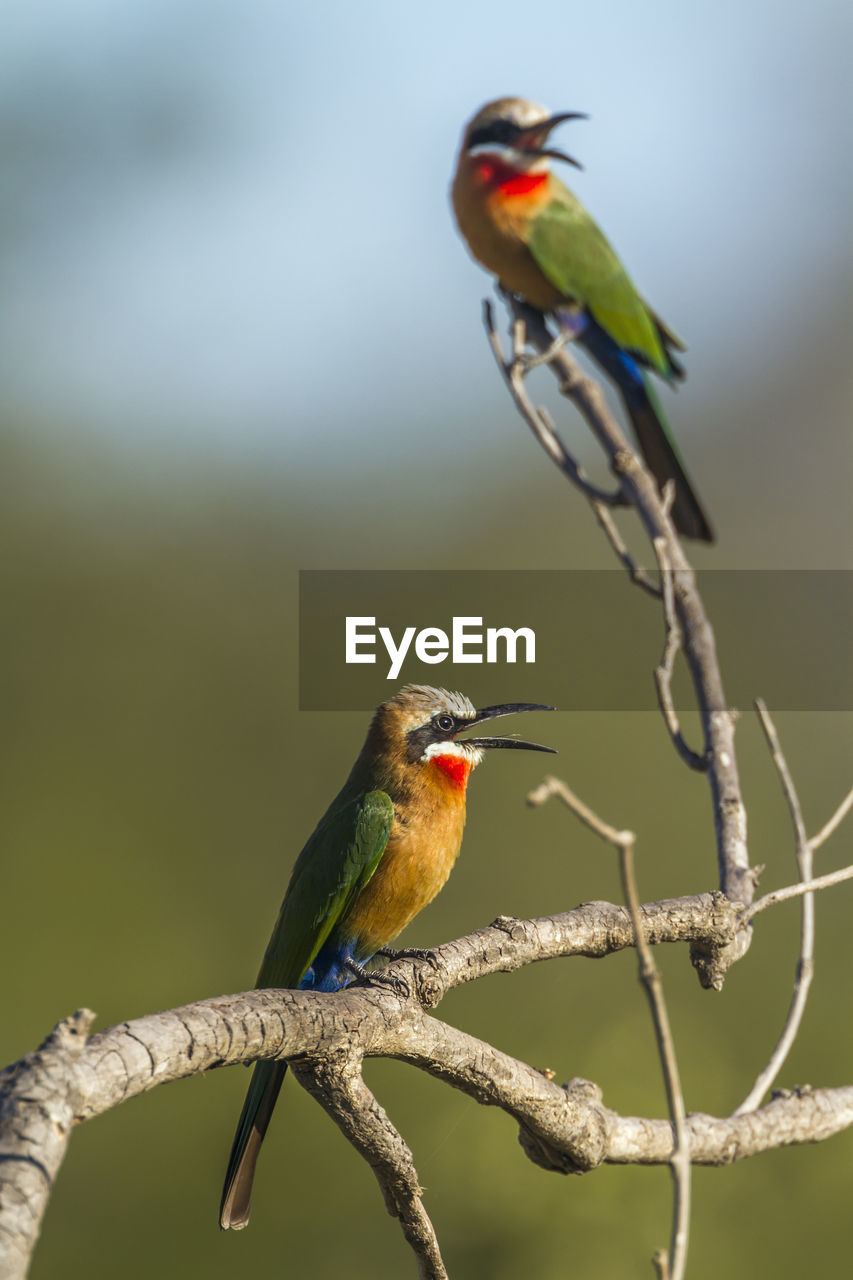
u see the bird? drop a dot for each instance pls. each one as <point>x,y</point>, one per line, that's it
<point>526,227</point>
<point>382,850</point>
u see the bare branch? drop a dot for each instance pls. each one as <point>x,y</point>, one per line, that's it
<point>624,841</point>
<point>834,822</point>
<point>664,670</point>
<point>337,1084</point>
<point>71,1079</point>
<point>805,964</point>
<point>790,1118</point>
<point>38,1105</point>
<point>594,930</point>
<point>568,1129</point>
<point>551,786</point>
<point>797,890</point>
<point>787,784</point>
<point>540,423</point>
<point>680,1162</point>
<point>718,721</point>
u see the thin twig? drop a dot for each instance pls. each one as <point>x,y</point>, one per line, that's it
<point>666,666</point>
<point>542,426</point>
<point>551,786</point>
<point>625,841</point>
<point>797,891</point>
<point>834,822</point>
<point>680,1161</point>
<point>636,573</point>
<point>660,1262</point>
<point>805,964</point>
<point>539,420</point>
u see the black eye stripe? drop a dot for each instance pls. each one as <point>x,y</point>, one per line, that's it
<point>417,740</point>
<point>502,131</point>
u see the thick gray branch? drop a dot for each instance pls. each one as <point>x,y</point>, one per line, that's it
<point>707,921</point>
<point>337,1084</point>
<point>792,1118</point>
<point>71,1079</point>
<point>40,1097</point>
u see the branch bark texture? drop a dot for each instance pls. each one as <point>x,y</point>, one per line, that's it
<point>564,1128</point>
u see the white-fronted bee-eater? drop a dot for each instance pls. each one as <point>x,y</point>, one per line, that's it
<point>523,224</point>
<point>380,853</point>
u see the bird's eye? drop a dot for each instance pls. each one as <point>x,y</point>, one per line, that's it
<point>444,723</point>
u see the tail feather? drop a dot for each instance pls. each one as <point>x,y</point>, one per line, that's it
<point>650,425</point>
<point>267,1079</point>
<point>664,463</point>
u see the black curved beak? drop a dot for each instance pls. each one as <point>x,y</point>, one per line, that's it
<point>532,140</point>
<point>507,709</point>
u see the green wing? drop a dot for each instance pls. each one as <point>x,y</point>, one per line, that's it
<point>330,872</point>
<point>576,256</point>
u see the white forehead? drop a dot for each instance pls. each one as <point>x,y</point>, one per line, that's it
<point>517,110</point>
<point>525,113</point>
<point>424,702</point>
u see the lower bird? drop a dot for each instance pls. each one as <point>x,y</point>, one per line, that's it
<point>381,852</point>
<point>527,228</point>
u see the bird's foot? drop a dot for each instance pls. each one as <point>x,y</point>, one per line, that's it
<point>405,953</point>
<point>357,970</point>
<point>395,983</point>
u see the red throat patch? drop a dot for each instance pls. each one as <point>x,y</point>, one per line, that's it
<point>456,768</point>
<point>522,184</point>
<point>501,177</point>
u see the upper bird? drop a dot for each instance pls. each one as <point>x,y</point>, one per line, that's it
<point>381,852</point>
<point>523,224</point>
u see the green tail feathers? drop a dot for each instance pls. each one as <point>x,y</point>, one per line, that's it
<point>661,456</point>
<point>267,1079</point>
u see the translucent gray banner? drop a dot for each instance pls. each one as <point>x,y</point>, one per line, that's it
<point>580,639</point>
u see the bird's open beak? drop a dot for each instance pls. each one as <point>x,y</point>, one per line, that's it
<point>532,140</point>
<point>507,709</point>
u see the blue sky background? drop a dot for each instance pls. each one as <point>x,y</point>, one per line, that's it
<point>225,226</point>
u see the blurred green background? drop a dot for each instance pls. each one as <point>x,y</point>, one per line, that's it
<point>239,338</point>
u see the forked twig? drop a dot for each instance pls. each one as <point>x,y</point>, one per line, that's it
<point>834,822</point>
<point>679,1162</point>
<point>819,882</point>
<point>514,371</point>
<point>798,890</point>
